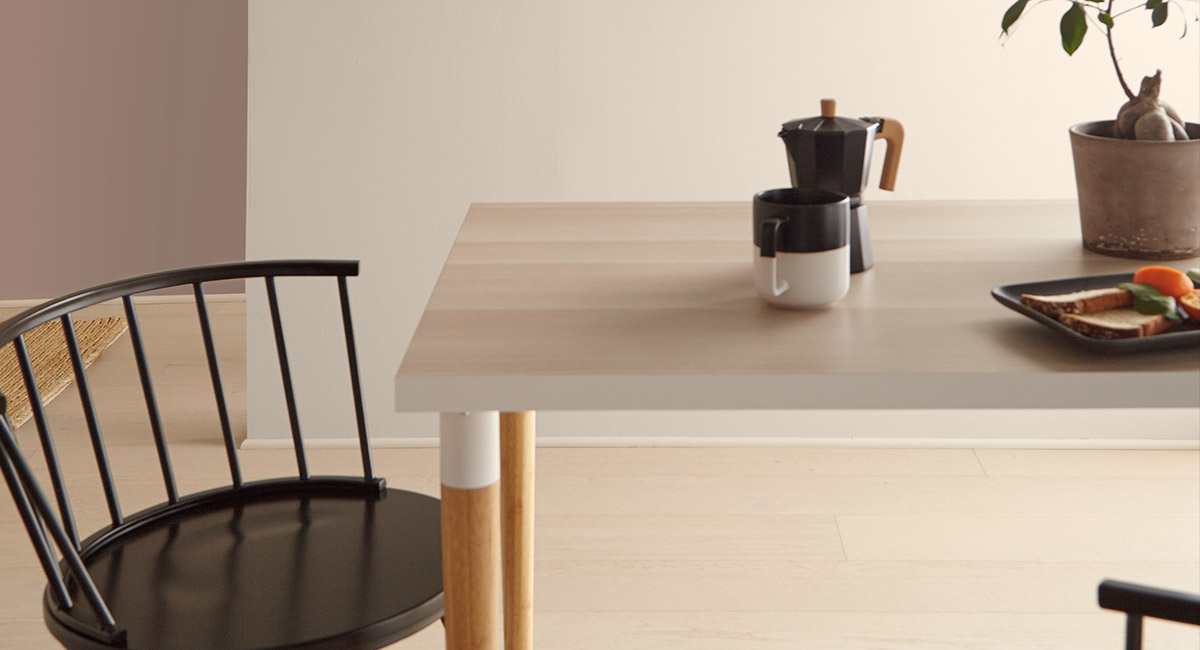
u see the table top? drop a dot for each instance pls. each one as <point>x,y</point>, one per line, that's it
<point>651,306</point>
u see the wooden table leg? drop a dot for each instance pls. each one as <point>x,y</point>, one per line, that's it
<point>470,458</point>
<point>516,526</point>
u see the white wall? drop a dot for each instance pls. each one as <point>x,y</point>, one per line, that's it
<point>373,125</point>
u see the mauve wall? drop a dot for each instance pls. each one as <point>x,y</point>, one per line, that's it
<point>122,140</point>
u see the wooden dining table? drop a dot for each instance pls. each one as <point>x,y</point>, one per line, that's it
<point>628,306</point>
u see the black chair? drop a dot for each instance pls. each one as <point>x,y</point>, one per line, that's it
<point>312,562</point>
<point>1140,601</point>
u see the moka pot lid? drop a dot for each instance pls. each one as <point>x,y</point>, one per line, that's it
<point>827,122</point>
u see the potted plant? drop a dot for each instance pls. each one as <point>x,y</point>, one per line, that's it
<point>1136,174</point>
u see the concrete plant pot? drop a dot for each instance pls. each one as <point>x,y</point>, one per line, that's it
<point>1137,199</point>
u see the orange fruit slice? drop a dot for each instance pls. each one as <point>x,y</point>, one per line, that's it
<point>1190,302</point>
<point>1167,280</point>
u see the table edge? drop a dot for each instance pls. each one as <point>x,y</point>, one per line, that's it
<point>1173,389</point>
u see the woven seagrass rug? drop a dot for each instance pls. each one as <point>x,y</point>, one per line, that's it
<point>51,362</point>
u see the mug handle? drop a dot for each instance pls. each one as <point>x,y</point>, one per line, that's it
<point>769,237</point>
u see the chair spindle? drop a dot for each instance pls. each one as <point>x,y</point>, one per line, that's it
<point>355,387</point>
<point>160,442</point>
<point>24,476</point>
<point>285,372</point>
<point>93,423</point>
<point>214,371</point>
<point>33,526</point>
<point>43,429</point>
<point>1133,631</point>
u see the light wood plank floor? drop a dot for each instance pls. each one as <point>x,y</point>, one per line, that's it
<point>716,549</point>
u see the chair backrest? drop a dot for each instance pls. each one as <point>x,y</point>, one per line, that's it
<point>35,509</point>
<point>1141,601</point>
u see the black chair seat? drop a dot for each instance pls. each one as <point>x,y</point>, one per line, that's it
<point>313,564</point>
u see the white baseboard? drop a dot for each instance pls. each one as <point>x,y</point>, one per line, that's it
<point>858,443</point>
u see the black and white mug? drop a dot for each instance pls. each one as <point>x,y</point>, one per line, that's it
<point>801,247</point>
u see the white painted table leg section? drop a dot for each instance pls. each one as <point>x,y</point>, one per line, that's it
<point>470,455</point>
<point>516,526</point>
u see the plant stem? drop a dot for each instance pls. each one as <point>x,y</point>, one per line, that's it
<point>1113,52</point>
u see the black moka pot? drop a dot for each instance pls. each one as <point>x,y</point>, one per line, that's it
<point>834,153</point>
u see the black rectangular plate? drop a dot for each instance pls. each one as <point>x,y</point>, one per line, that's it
<point>1185,335</point>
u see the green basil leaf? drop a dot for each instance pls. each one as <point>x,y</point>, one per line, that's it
<point>1159,15</point>
<point>1106,19</point>
<point>1073,26</point>
<point>1147,300</point>
<point>1175,314</point>
<point>1013,13</point>
<point>1194,274</point>
<point>1140,290</point>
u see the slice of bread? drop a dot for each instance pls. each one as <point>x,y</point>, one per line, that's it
<point>1079,302</point>
<point>1121,323</point>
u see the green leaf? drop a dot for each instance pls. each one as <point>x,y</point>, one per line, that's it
<point>1159,15</point>
<point>1194,274</point>
<point>1154,4</point>
<point>1107,19</point>
<point>1013,13</point>
<point>1147,300</point>
<point>1073,27</point>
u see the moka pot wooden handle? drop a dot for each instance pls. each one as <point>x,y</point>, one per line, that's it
<point>892,132</point>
